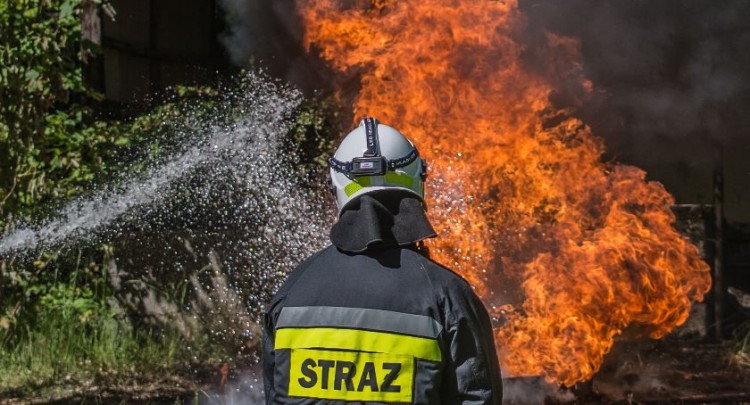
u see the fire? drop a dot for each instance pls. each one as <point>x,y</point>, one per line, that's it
<point>520,193</point>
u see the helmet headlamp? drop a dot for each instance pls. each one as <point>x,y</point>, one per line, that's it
<point>372,163</point>
<point>368,166</point>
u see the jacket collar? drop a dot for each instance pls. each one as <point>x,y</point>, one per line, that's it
<point>384,219</point>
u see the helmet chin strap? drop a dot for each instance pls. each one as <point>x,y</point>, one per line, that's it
<point>371,132</point>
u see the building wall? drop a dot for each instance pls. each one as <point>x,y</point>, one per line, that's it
<point>153,44</point>
<point>686,168</point>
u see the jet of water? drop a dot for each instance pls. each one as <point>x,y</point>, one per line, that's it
<point>203,238</point>
<point>247,150</point>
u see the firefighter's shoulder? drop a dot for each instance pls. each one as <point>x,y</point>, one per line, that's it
<point>296,273</point>
<point>442,277</point>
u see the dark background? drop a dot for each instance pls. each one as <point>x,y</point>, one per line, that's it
<point>671,82</point>
<point>671,78</point>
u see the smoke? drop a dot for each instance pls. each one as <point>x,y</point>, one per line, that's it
<point>245,389</point>
<point>268,34</point>
<point>534,390</point>
<point>240,40</point>
<point>662,71</point>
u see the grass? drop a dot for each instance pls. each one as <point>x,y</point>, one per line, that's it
<point>107,351</point>
<point>741,355</point>
<point>78,340</point>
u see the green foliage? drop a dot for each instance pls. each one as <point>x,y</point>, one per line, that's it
<point>59,317</point>
<point>72,332</point>
<point>33,296</point>
<point>45,280</point>
<point>60,321</point>
<point>50,145</point>
<point>311,133</point>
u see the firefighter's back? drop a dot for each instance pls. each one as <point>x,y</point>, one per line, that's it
<point>361,327</point>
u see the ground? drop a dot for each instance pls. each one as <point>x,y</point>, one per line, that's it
<point>674,371</point>
<point>668,371</point>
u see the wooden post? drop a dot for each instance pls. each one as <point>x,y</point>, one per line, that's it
<point>718,262</point>
<point>154,64</point>
<point>91,30</point>
<point>91,23</point>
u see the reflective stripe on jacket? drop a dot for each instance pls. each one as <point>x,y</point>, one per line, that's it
<point>387,326</point>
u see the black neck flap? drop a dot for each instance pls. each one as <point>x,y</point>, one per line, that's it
<point>379,220</point>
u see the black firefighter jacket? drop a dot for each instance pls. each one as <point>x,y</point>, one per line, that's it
<point>384,326</point>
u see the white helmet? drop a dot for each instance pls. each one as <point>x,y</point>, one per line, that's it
<point>375,157</point>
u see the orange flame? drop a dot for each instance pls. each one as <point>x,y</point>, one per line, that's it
<point>519,191</point>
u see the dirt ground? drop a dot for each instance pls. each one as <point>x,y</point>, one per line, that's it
<point>672,371</point>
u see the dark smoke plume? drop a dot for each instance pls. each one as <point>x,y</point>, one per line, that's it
<point>669,76</point>
<point>268,34</point>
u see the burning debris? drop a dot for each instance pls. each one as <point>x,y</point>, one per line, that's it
<point>521,196</point>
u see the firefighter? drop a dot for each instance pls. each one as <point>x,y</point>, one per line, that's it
<point>371,319</point>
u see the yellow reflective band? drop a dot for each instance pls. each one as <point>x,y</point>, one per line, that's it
<point>351,376</point>
<point>399,178</point>
<point>359,318</point>
<point>360,340</point>
<point>390,177</point>
<point>358,184</point>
